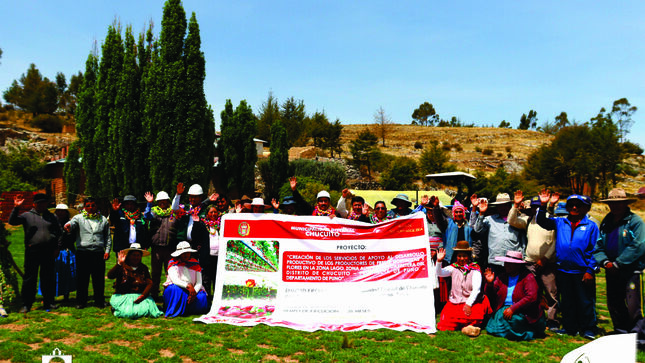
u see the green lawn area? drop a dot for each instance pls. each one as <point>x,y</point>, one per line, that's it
<point>93,335</point>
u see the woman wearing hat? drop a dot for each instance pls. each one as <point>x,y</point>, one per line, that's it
<point>465,309</point>
<point>402,204</point>
<point>132,285</point>
<point>620,250</point>
<point>515,297</point>
<point>184,293</point>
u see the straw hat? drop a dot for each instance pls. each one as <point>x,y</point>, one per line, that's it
<point>502,198</point>
<point>617,195</point>
<point>402,197</point>
<point>136,247</point>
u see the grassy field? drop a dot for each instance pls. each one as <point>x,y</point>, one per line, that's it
<point>93,335</point>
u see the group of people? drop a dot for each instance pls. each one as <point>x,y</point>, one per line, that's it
<point>512,267</point>
<point>539,260</point>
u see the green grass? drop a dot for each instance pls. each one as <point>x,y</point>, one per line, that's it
<point>93,335</point>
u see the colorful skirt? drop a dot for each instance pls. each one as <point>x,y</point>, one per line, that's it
<point>453,317</point>
<point>516,328</point>
<point>125,307</point>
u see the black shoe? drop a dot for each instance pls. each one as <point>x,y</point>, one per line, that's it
<point>81,306</point>
<point>101,305</point>
<point>565,332</point>
<point>24,310</point>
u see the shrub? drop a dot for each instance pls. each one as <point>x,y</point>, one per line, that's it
<point>309,188</point>
<point>478,149</point>
<point>329,173</point>
<point>508,149</point>
<point>446,146</point>
<point>48,123</point>
<point>457,147</point>
<point>499,155</point>
<point>401,174</point>
<point>487,151</point>
<point>632,148</point>
<point>418,145</point>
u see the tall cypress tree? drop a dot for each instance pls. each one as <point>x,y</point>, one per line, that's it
<point>170,104</point>
<point>279,158</point>
<point>227,146</point>
<point>72,173</point>
<point>107,133</point>
<point>247,124</point>
<point>86,124</point>
<point>195,136</point>
<point>131,150</point>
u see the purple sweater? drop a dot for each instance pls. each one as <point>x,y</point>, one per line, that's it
<point>525,296</point>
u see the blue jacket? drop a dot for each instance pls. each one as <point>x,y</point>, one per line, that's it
<point>573,249</point>
<point>631,242</point>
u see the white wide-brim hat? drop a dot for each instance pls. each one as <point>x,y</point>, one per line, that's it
<point>136,247</point>
<point>182,247</point>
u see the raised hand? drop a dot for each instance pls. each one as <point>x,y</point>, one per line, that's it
<point>293,182</point>
<point>121,257</point>
<point>489,275</point>
<point>441,254</point>
<point>483,206</point>
<point>18,200</point>
<point>518,198</point>
<point>346,193</point>
<point>366,209</point>
<point>213,197</point>
<point>555,198</point>
<point>180,188</point>
<point>544,196</point>
<point>115,204</point>
<point>474,200</point>
<point>149,197</point>
<point>275,203</point>
<point>238,207</point>
<point>434,201</point>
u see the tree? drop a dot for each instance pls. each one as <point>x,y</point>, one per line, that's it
<point>21,169</point>
<point>400,175</point>
<point>433,159</point>
<point>293,118</point>
<point>425,115</point>
<point>325,134</point>
<point>195,136</point>
<point>504,125</point>
<point>269,114</point>
<point>364,150</point>
<point>528,122</point>
<point>238,154</point>
<point>278,160</point>
<point>61,91</point>
<point>86,125</point>
<point>621,114</point>
<point>382,124</point>
<point>33,93</point>
<point>562,120</point>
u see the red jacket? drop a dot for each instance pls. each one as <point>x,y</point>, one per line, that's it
<point>526,298</point>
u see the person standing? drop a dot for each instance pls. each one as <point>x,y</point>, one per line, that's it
<point>129,224</point>
<point>575,238</point>
<point>620,250</point>
<point>42,239</point>
<point>93,245</point>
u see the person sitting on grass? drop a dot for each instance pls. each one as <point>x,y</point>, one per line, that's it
<point>184,293</point>
<point>465,309</point>
<point>515,297</point>
<point>132,285</point>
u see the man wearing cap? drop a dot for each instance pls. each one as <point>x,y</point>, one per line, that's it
<point>162,234</point>
<point>42,238</point>
<point>575,238</point>
<point>128,222</point>
<point>402,204</point>
<point>288,206</point>
<point>620,250</point>
<point>502,236</point>
<point>540,251</point>
<point>93,245</point>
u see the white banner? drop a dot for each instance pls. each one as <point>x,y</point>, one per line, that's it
<point>312,273</point>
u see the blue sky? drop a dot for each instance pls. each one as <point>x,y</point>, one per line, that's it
<point>480,61</point>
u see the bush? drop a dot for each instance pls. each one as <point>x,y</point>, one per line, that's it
<point>508,149</point>
<point>478,149</point>
<point>457,147</point>
<point>401,175</point>
<point>48,123</point>
<point>418,145</point>
<point>632,148</point>
<point>499,155</point>
<point>487,151</point>
<point>382,161</point>
<point>446,146</point>
<point>329,173</point>
<point>309,188</point>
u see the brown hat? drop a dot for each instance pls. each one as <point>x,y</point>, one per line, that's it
<point>462,246</point>
<point>618,195</point>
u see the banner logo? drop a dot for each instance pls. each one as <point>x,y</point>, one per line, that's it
<point>244,229</point>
